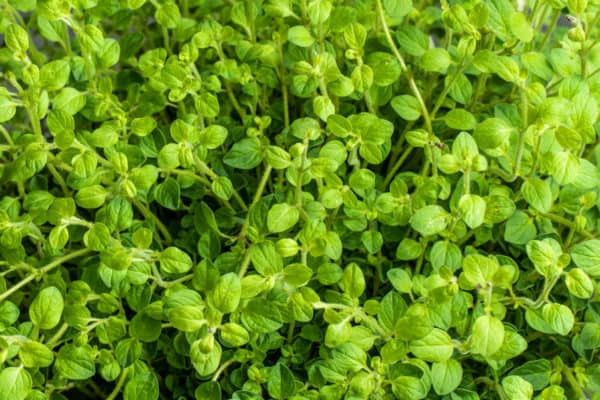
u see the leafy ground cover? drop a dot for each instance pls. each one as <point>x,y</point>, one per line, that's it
<point>299,199</point>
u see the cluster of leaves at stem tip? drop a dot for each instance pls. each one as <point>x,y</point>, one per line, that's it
<point>299,199</point>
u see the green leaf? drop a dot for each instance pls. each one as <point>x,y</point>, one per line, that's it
<point>446,376</point>
<point>559,317</point>
<point>226,295</point>
<point>265,259</point>
<point>187,318</point>
<point>46,309</point>
<point>429,220</point>
<point>91,197</point>
<point>465,147</point>
<point>323,107</point>
<point>545,256</point>
<point>407,107</point>
<point>205,362</point>
<point>261,316</point>
<point>355,35</point>
<point>520,27</point>
<point>386,69</point>
<point>213,136</point>
<point>586,255</point>
<point>277,157</point>
<point>437,346</point>
<point>412,40</point>
<point>372,241</point>
<point>174,261</point>
<point>282,217</point>
<point>492,133</point>
<point>536,372</point>
<point>35,355</point>
<point>234,335</point>
<point>69,100</point>
<point>517,388</point>
<point>538,194</point>
<point>353,281</point>
<point>16,39</point>
<point>109,53</point>
<point>478,270</point>
<point>487,335</point>
<point>436,60</point>
<point>281,384</point>
<point>564,167</point>
<point>74,362</point>
<point>8,109</point>
<point>143,385</point>
<point>144,328</point>
<point>55,74</point>
<point>97,237</point>
<point>520,228</point>
<point>397,8</point>
<point>445,254</point>
<point>300,36</point>
<point>15,382</point>
<point>400,280</point>
<point>579,283</point>
<point>297,275</point>
<point>167,194</point>
<point>408,249</point>
<point>460,119</point>
<point>245,154</point>
<point>168,15</point>
<point>472,209</point>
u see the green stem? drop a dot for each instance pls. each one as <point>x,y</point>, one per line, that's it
<point>290,333</point>
<point>120,383</point>
<point>444,93</point>
<point>467,181</point>
<point>548,286</point>
<point>59,179</point>
<point>572,230</point>
<point>205,169</point>
<point>371,323</point>
<point>550,28</point>
<point>245,264</point>
<point>519,156</point>
<point>234,102</point>
<point>185,8</point>
<point>399,144</point>
<point>568,223</point>
<point>419,264</point>
<point>183,172</point>
<point>397,165</point>
<point>148,214</point>
<point>166,43</point>
<point>300,177</point>
<point>222,368</point>
<point>44,270</point>
<point>284,89</point>
<point>568,374</point>
<point>257,196</point>
<point>56,337</point>
<point>411,81</point>
<point>168,284</point>
<point>6,136</point>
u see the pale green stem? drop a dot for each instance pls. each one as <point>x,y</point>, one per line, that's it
<point>44,270</point>
<point>411,81</point>
<point>120,383</point>
<point>148,214</point>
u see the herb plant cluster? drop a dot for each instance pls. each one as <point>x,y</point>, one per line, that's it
<point>299,199</point>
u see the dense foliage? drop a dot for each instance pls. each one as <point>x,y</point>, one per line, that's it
<point>299,199</point>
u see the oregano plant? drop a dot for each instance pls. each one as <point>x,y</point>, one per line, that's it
<point>299,199</point>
